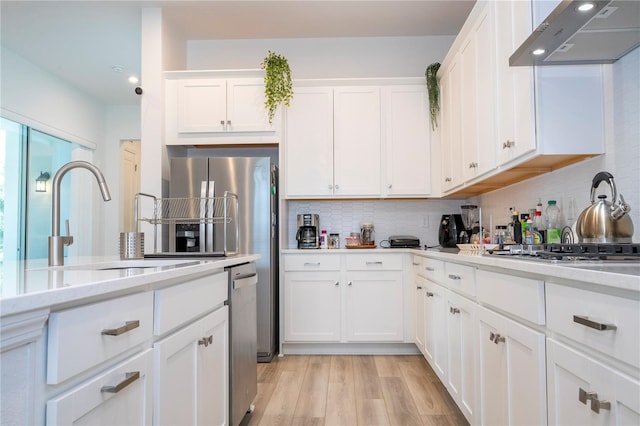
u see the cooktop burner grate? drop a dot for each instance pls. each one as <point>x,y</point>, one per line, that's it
<point>590,250</point>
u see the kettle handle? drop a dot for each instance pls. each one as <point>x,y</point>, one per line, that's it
<point>601,177</point>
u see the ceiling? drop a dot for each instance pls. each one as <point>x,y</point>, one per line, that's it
<point>82,41</point>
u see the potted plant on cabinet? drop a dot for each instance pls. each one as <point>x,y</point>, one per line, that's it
<point>434,92</point>
<point>278,88</point>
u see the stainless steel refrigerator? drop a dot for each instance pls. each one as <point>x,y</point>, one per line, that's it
<point>255,181</point>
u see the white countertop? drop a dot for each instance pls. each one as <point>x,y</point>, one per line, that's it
<point>32,285</point>
<point>625,277</point>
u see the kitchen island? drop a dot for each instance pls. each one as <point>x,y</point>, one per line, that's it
<point>103,338</point>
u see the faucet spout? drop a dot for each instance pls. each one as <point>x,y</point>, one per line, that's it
<point>56,241</point>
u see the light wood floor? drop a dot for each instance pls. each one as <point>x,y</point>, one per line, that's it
<point>351,390</point>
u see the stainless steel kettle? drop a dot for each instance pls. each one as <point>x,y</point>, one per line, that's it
<point>603,221</point>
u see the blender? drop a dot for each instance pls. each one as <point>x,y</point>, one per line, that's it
<point>469,214</point>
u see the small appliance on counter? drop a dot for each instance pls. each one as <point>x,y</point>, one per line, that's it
<point>307,235</point>
<point>404,241</point>
<point>450,228</point>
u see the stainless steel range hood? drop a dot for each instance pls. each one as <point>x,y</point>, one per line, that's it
<point>602,35</point>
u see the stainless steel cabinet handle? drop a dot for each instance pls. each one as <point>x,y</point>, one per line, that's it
<point>205,341</point>
<point>337,282</point>
<point>508,144</point>
<point>429,294</point>
<point>496,338</point>
<point>415,264</point>
<point>454,310</point>
<point>419,287</point>
<point>597,405</point>
<point>593,324</point>
<point>389,186</point>
<point>429,268</point>
<point>447,179</point>
<point>311,263</point>
<point>337,186</point>
<point>454,277</point>
<point>128,326</point>
<point>349,283</point>
<point>228,122</point>
<point>377,262</point>
<point>129,378</point>
<point>222,122</point>
<point>330,186</point>
<point>584,396</point>
<point>473,165</point>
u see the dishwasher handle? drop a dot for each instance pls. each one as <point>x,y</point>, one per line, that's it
<point>245,280</point>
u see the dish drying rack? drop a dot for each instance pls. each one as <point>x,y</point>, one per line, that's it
<point>205,211</point>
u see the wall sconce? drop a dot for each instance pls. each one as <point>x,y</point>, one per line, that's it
<point>41,182</point>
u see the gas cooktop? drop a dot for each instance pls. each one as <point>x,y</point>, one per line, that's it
<point>573,252</point>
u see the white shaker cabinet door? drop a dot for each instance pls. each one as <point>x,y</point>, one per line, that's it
<point>202,105</point>
<point>583,391</point>
<point>246,111</point>
<point>451,132</point>
<point>312,304</point>
<point>357,141</point>
<point>407,144</point>
<point>309,143</point>
<point>192,373</point>
<point>435,342</point>
<point>511,365</point>
<point>420,304</point>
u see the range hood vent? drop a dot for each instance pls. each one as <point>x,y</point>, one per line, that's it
<point>601,35</point>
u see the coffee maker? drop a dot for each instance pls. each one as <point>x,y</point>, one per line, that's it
<point>307,235</point>
<point>449,232</point>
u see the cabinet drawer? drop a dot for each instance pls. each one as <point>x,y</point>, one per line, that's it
<point>460,278</point>
<point>433,270</point>
<point>587,317</point>
<point>369,262</point>
<point>119,396</point>
<point>80,338</point>
<point>519,296</point>
<point>182,303</point>
<point>318,262</point>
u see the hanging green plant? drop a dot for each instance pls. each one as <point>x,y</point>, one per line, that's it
<point>434,92</point>
<point>278,88</point>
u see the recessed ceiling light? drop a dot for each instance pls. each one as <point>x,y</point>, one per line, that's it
<point>133,79</point>
<point>538,52</point>
<point>585,7</point>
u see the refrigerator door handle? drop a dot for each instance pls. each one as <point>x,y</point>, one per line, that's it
<point>210,215</point>
<point>203,213</point>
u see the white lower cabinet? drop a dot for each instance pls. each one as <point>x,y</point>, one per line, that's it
<point>435,342</point>
<point>312,306</point>
<point>511,367</point>
<point>192,378</point>
<point>420,310</point>
<point>587,392</point>
<point>120,396</point>
<point>343,298</point>
<point>461,352</point>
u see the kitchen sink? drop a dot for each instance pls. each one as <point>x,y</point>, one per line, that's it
<point>126,264</point>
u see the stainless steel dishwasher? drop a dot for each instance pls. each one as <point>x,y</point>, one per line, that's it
<point>243,337</point>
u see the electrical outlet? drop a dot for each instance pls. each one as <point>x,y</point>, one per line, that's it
<point>424,222</point>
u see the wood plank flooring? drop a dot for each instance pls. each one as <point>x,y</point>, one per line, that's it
<point>337,390</point>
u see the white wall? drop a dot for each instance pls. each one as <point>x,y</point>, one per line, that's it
<point>622,159</point>
<point>325,57</point>
<point>32,96</point>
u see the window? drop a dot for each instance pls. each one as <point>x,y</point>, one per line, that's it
<point>27,155</point>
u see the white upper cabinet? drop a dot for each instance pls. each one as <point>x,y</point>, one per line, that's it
<point>406,141</point>
<point>201,107</point>
<point>333,142</point>
<point>520,120</point>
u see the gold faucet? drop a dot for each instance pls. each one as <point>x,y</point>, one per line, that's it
<point>57,242</point>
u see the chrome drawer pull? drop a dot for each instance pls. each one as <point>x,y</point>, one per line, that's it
<point>311,263</point>
<point>128,326</point>
<point>374,263</point>
<point>206,341</point>
<point>337,283</point>
<point>429,294</point>
<point>584,396</point>
<point>496,338</point>
<point>415,264</point>
<point>597,405</point>
<point>129,378</point>
<point>418,287</point>
<point>429,268</point>
<point>454,310</point>
<point>349,283</point>
<point>593,324</point>
<point>454,277</point>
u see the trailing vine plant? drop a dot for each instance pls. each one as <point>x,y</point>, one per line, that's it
<point>278,88</point>
<point>434,92</point>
